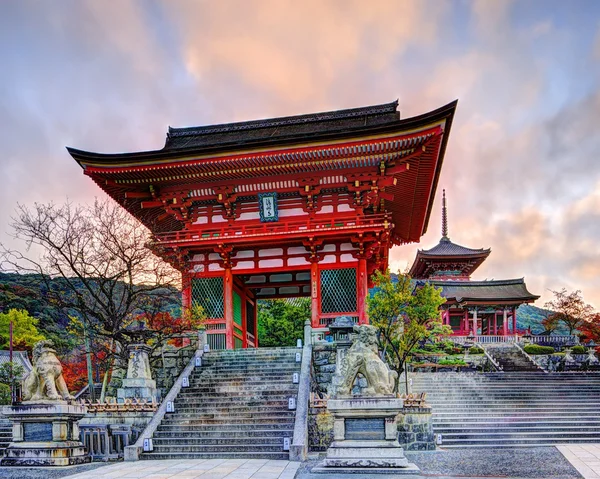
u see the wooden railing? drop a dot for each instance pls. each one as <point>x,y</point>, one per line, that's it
<point>241,230</point>
<point>569,339</point>
<point>484,339</point>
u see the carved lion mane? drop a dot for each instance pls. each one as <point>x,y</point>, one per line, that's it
<point>45,381</point>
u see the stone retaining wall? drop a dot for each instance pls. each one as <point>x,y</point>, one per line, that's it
<point>324,358</point>
<point>415,430</point>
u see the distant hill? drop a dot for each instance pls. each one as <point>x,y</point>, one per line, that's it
<point>30,292</point>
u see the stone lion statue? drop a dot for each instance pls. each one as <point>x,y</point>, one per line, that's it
<point>45,381</point>
<point>363,357</point>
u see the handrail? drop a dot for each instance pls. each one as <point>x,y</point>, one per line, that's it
<point>530,358</point>
<point>299,446</point>
<point>489,356</point>
<point>132,453</point>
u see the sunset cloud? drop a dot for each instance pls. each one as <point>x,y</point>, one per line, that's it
<point>521,170</point>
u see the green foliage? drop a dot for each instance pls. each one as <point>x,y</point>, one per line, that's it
<point>406,314</point>
<point>452,362</point>
<point>17,372</point>
<point>535,349</point>
<point>281,322</point>
<point>5,398</point>
<point>578,349</point>
<point>25,332</point>
<point>475,350</point>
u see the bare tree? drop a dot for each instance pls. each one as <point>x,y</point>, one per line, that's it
<point>107,275</point>
<point>569,308</point>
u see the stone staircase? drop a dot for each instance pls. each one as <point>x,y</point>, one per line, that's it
<point>235,407</point>
<point>511,358</point>
<point>512,409</point>
<point>5,434</point>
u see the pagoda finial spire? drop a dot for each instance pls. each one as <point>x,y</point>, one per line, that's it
<point>444,216</point>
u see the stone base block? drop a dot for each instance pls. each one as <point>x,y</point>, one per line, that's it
<point>64,453</point>
<point>365,454</point>
<point>146,393</point>
<point>360,469</point>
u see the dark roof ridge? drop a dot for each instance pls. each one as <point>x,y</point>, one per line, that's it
<point>285,120</point>
<point>485,282</point>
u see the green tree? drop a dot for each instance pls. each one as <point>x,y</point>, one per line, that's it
<point>281,322</point>
<point>406,313</point>
<point>25,332</point>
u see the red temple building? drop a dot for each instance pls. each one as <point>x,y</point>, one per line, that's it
<point>472,307</point>
<point>305,205</point>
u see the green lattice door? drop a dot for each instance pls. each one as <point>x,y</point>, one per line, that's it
<point>208,293</point>
<point>338,290</point>
<point>237,319</point>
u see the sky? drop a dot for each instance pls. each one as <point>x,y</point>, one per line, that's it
<point>522,168</point>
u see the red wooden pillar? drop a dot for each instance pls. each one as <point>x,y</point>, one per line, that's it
<point>244,320</point>
<point>255,319</point>
<point>315,296</point>
<point>514,319</point>
<point>362,291</point>
<point>495,323</point>
<point>465,327</point>
<point>228,308</point>
<point>186,293</point>
<point>504,322</point>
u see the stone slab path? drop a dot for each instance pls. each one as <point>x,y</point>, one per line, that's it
<point>585,458</point>
<point>195,468</point>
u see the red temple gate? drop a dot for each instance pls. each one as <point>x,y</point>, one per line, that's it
<point>306,205</point>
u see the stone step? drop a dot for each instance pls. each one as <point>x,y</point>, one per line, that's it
<point>495,404</point>
<point>513,445</point>
<point>224,427</point>
<point>279,401</point>
<point>284,455</point>
<point>220,441</point>
<point>225,420</point>
<point>235,448</point>
<point>215,413</point>
<point>510,429</point>
<point>220,434</point>
<point>240,389</point>
<point>540,415</point>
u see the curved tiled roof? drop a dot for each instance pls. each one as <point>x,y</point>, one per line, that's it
<point>19,357</point>
<point>429,261</point>
<point>492,291</point>
<point>330,121</point>
<point>447,248</point>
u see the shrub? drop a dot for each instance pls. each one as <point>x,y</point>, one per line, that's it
<point>475,350</point>
<point>451,362</point>
<point>535,349</point>
<point>5,394</point>
<point>579,349</point>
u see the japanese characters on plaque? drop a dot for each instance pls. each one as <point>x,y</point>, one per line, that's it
<point>267,207</point>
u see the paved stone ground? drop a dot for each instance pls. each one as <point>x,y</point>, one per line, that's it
<point>534,463</point>
<point>526,463</point>
<point>47,472</point>
<point>585,457</point>
<point>195,468</point>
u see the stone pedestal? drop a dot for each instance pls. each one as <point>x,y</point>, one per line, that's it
<point>138,383</point>
<point>365,436</point>
<point>45,434</point>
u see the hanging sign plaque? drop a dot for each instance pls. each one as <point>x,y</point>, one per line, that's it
<point>267,207</point>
